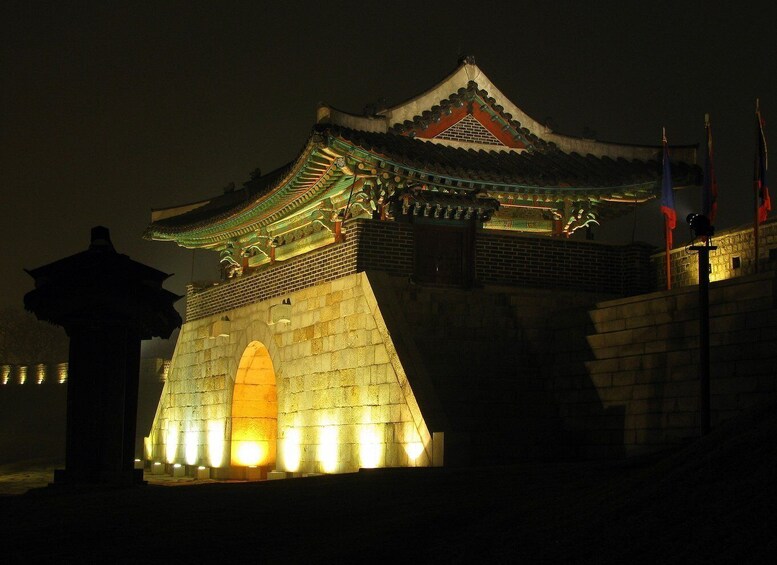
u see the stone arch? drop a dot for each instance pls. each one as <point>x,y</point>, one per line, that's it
<point>254,412</point>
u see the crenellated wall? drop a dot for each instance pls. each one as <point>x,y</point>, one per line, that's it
<point>500,259</point>
<point>505,259</point>
<point>734,256</point>
<point>337,359</point>
<point>33,404</point>
<point>371,366</point>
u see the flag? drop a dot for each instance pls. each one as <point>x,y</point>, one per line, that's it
<point>667,197</point>
<point>759,170</point>
<point>710,188</point>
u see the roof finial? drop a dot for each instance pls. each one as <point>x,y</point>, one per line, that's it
<point>466,59</point>
<point>101,239</point>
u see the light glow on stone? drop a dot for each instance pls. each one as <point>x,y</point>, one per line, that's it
<point>292,453</point>
<point>191,447</point>
<point>148,447</point>
<point>254,411</point>
<point>171,441</point>
<point>216,442</point>
<point>22,374</point>
<point>370,446</point>
<point>6,374</point>
<point>251,453</point>
<point>414,450</point>
<point>40,373</point>
<point>328,448</point>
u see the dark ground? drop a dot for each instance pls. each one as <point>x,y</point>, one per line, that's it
<point>714,500</point>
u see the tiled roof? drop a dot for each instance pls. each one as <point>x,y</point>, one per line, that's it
<point>549,168</point>
<point>227,202</point>
<point>469,94</point>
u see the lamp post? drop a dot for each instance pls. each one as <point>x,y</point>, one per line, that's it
<point>702,229</point>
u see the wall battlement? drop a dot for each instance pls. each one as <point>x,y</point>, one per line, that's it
<point>560,349</point>
<point>500,258</point>
<point>734,257</point>
<point>33,402</point>
<point>34,374</point>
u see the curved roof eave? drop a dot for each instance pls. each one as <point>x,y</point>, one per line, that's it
<point>311,172</point>
<point>238,215</point>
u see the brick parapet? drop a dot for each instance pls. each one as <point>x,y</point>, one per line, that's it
<point>508,259</point>
<point>386,247</point>
<point>501,258</point>
<point>307,270</point>
<point>734,257</point>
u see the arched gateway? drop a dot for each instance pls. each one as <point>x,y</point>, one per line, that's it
<point>376,275</point>
<point>254,410</point>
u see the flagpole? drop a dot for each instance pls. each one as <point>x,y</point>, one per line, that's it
<point>667,238</point>
<point>667,233</point>
<point>756,223</point>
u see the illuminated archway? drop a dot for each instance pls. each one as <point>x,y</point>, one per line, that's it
<point>254,409</point>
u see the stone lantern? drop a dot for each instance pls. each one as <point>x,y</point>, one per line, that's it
<point>107,303</point>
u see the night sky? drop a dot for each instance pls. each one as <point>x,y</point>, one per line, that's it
<point>109,110</point>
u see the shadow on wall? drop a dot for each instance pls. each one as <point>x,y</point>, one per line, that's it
<point>560,340</point>
<point>506,369</point>
<point>645,351</point>
<point>623,373</point>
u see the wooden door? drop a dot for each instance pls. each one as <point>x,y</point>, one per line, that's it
<point>443,255</point>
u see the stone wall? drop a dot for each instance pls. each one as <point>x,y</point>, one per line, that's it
<point>632,385</point>
<point>504,372</point>
<point>480,349</point>
<point>344,400</point>
<point>527,364</point>
<point>734,256</point>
